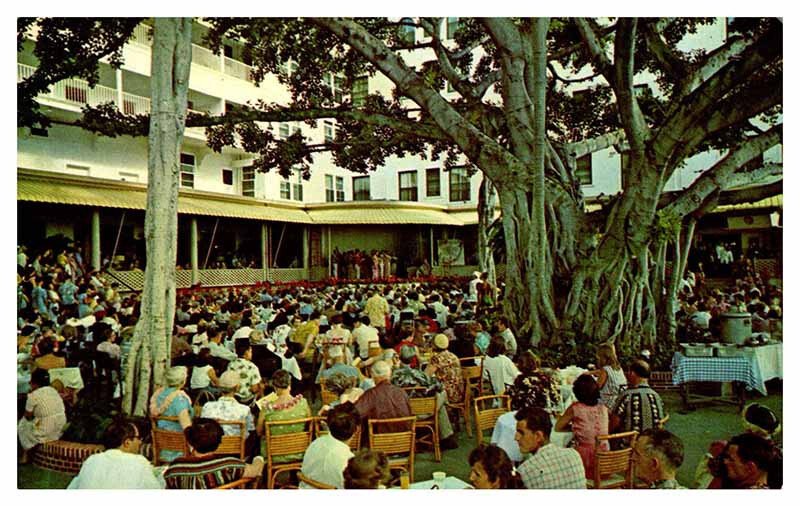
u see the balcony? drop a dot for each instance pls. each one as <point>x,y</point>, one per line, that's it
<point>76,92</point>
<point>143,35</point>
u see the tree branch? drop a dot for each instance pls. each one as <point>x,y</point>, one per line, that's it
<point>460,84</point>
<point>632,118</point>
<point>670,61</point>
<point>553,71</point>
<point>584,147</point>
<point>591,40</point>
<point>722,175</point>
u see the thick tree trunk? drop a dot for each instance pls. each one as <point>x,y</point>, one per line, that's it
<point>150,352</point>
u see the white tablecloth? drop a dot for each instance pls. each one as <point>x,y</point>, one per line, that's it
<point>450,483</point>
<point>769,360</point>
<point>506,428</point>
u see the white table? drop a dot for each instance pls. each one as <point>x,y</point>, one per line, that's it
<point>449,483</point>
<point>505,430</point>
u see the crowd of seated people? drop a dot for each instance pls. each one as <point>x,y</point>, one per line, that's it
<point>262,355</point>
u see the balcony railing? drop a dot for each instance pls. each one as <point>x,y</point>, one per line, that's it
<point>72,91</point>
<point>205,57</point>
<point>238,69</point>
<point>78,92</point>
<point>143,34</point>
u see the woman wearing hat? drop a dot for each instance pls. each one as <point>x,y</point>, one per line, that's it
<point>171,400</point>
<point>445,367</point>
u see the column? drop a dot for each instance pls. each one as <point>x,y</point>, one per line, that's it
<point>193,251</point>
<point>431,258</point>
<point>305,246</point>
<point>264,259</point>
<point>96,239</point>
<point>120,96</point>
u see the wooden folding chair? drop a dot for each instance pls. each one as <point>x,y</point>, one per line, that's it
<point>424,408</point>
<point>250,482</point>
<point>487,409</point>
<point>663,422</point>
<point>614,468</point>
<point>321,428</point>
<point>314,483</point>
<point>233,445</point>
<point>166,439</point>
<point>327,396</point>
<point>285,443</point>
<point>398,446</point>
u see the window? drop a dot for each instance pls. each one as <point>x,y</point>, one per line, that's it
<point>297,186</point>
<point>339,189</point>
<point>283,130</point>
<point>452,26</point>
<point>228,50</point>
<point>295,129</point>
<point>286,189</point>
<point>584,169</point>
<point>459,184</point>
<point>335,83</point>
<point>39,132</point>
<point>248,181</point>
<point>187,170</point>
<point>361,188</point>
<point>330,195</point>
<point>407,30</point>
<point>227,177</point>
<point>360,91</point>
<point>330,130</point>
<point>408,185</point>
<point>433,182</point>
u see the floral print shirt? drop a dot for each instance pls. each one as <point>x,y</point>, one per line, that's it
<point>448,371</point>
<point>249,374</point>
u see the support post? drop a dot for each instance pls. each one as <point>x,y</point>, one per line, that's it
<point>264,260</point>
<point>306,238</point>
<point>432,259</point>
<point>96,239</point>
<point>120,95</point>
<point>193,251</point>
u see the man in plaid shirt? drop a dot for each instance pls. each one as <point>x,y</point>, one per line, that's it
<point>548,466</point>
<point>638,407</point>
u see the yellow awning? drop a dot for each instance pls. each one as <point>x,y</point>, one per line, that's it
<point>60,189</point>
<point>383,213</point>
<point>769,202</point>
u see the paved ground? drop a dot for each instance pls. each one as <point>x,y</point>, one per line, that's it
<point>697,428</point>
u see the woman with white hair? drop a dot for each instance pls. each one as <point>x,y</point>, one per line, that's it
<point>171,400</point>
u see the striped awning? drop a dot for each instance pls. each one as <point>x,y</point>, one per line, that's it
<point>767,203</point>
<point>47,188</point>
<point>371,213</point>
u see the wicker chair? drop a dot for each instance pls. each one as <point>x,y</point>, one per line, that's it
<point>398,446</point>
<point>233,445</point>
<point>327,396</point>
<point>166,439</point>
<point>663,422</point>
<point>285,444</point>
<point>487,410</point>
<point>314,483</point>
<point>321,428</point>
<point>472,376</point>
<point>614,468</point>
<point>424,408</point>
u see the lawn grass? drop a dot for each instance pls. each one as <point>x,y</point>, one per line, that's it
<point>697,429</point>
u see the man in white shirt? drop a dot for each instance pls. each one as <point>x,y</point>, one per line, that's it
<point>327,456</point>
<point>120,467</point>
<point>473,286</point>
<point>365,336</point>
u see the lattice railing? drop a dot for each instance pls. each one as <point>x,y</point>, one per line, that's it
<point>231,277</point>
<point>768,268</point>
